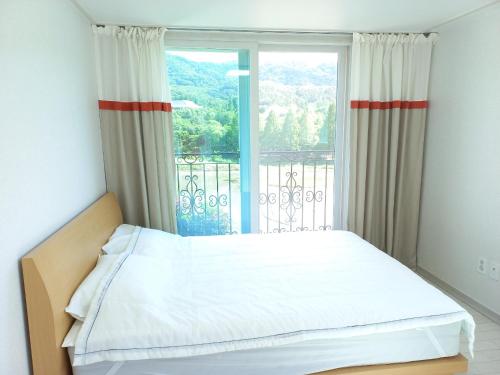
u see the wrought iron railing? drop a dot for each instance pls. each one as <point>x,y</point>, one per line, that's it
<point>295,192</point>
<point>205,193</point>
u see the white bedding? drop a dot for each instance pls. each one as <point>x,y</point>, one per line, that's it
<point>305,357</point>
<point>187,297</point>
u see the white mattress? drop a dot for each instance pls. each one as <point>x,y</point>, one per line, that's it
<point>299,358</point>
<point>296,303</point>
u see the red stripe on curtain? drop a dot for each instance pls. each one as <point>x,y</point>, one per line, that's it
<point>403,104</point>
<point>135,106</point>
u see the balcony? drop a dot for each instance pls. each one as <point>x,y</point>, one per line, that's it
<point>295,192</point>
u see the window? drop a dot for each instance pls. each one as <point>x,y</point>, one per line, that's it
<point>256,152</point>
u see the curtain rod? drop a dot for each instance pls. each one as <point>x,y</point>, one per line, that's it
<point>256,31</point>
<point>271,31</point>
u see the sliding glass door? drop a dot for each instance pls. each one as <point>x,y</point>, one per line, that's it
<point>257,136</point>
<point>210,100</point>
<point>297,106</point>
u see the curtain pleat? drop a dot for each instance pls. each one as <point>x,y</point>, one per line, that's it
<point>136,124</point>
<point>389,84</point>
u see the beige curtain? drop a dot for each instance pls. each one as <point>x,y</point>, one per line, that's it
<point>390,76</point>
<point>136,124</point>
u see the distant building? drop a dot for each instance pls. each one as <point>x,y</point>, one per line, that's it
<point>185,104</point>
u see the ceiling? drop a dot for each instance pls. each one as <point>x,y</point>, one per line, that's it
<point>310,15</point>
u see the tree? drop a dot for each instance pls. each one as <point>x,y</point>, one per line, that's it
<point>290,133</point>
<point>304,130</point>
<point>231,139</point>
<point>214,126</point>
<point>327,131</point>
<point>271,134</point>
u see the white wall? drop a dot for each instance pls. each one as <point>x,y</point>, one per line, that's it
<point>50,153</point>
<point>460,217</point>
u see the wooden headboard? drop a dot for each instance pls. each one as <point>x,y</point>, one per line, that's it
<point>52,272</point>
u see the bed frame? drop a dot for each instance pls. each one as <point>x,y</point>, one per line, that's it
<point>54,269</point>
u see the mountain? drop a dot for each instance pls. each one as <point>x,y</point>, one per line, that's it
<point>300,98</point>
<point>184,72</point>
<point>293,74</point>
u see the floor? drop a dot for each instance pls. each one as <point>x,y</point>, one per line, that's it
<point>487,345</point>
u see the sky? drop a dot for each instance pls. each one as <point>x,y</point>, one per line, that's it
<point>301,58</point>
<point>206,56</point>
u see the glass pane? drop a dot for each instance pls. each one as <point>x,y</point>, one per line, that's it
<point>205,91</point>
<point>297,108</point>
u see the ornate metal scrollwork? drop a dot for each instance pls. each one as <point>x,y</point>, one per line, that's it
<point>191,197</point>
<point>217,200</point>
<point>202,210</point>
<point>302,194</point>
<point>301,229</point>
<point>280,230</point>
<point>291,195</point>
<point>297,200</point>
<point>316,196</point>
<point>189,159</point>
<point>267,198</point>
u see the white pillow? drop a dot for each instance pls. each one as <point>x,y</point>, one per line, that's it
<point>80,301</point>
<point>122,230</point>
<point>71,336</point>
<point>119,240</point>
<point>156,242</point>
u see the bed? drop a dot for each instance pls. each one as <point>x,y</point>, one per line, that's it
<point>427,343</point>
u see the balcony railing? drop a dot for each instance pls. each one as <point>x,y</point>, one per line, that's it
<point>208,194</point>
<point>295,192</point>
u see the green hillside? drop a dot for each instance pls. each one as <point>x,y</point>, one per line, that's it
<point>296,107</point>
